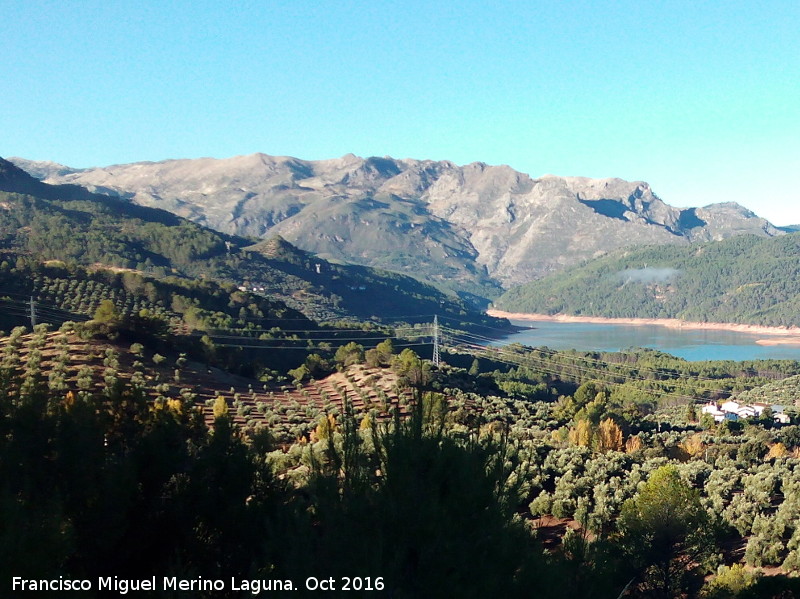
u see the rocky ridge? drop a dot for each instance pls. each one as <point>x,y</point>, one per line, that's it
<point>464,227</point>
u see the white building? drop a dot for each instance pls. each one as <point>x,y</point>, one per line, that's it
<point>711,408</point>
<point>734,408</point>
<point>730,406</point>
<point>747,412</point>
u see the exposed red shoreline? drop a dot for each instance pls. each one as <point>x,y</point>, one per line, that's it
<point>780,335</point>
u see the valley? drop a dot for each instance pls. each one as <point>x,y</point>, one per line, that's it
<point>400,301</point>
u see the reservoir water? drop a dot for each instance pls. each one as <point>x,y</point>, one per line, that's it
<point>690,344</point>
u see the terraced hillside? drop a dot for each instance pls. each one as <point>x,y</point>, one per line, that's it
<point>78,367</point>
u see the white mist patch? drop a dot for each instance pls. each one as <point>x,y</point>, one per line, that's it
<point>648,275</point>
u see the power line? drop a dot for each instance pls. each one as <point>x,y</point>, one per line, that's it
<point>436,341</point>
<point>309,339</point>
<point>320,331</point>
<point>301,348</point>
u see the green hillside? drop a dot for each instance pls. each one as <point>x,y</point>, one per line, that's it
<point>744,279</point>
<point>212,322</point>
<point>782,392</point>
<point>325,290</point>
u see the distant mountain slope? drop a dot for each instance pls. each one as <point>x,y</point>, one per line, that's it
<point>745,279</point>
<point>464,227</point>
<point>68,223</point>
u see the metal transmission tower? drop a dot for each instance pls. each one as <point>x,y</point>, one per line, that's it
<point>436,358</point>
<point>33,313</point>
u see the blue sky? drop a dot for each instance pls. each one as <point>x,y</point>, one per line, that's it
<point>700,99</point>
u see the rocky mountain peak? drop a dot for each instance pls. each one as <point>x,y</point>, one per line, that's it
<point>464,227</point>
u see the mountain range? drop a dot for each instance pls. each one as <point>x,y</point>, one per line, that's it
<point>475,229</point>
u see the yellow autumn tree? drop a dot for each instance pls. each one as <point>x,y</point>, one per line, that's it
<point>609,436</point>
<point>366,423</point>
<point>69,400</point>
<point>325,428</point>
<point>693,446</point>
<point>581,433</point>
<point>778,450</point>
<point>220,407</point>
<point>633,444</point>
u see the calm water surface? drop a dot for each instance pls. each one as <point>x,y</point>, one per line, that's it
<point>687,344</point>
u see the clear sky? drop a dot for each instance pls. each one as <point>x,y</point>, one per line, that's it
<point>701,99</point>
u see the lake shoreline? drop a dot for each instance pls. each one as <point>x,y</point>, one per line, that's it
<point>779,335</point>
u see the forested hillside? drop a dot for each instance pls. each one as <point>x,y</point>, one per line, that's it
<point>744,279</point>
<point>785,390</point>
